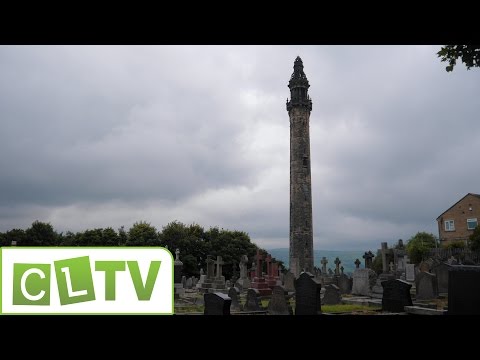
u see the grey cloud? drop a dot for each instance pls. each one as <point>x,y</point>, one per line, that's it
<point>105,136</point>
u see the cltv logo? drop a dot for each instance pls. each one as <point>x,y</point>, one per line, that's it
<point>86,281</point>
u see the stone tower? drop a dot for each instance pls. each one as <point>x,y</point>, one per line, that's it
<point>301,229</point>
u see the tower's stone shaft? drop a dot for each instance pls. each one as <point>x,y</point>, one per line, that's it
<point>301,229</point>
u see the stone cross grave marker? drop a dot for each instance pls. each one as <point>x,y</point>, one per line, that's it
<point>337,263</point>
<point>219,264</point>
<point>357,264</point>
<point>324,263</point>
<point>368,256</point>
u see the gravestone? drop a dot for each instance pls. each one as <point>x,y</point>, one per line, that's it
<point>184,281</point>
<point>368,256</point>
<point>384,257</point>
<point>337,263</point>
<point>427,286</point>
<point>332,295</point>
<point>344,284</point>
<point>219,281</point>
<point>410,272</point>
<point>259,282</point>
<point>289,281</point>
<point>253,300</point>
<point>324,263</point>
<point>441,270</point>
<point>425,266</point>
<point>307,295</point>
<point>452,261</point>
<point>179,288</point>
<point>177,269</point>
<point>357,263</point>
<point>216,304</point>
<point>279,304</point>
<point>206,281</point>
<point>464,290</point>
<point>189,283</point>
<point>363,282</point>
<point>243,282</point>
<point>396,295</point>
<point>234,294</point>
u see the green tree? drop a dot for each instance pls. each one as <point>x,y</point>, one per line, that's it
<point>142,234</point>
<point>40,234</point>
<point>474,242</point>
<point>110,237</point>
<point>469,54</point>
<point>90,237</point>
<point>419,245</point>
<point>377,264</point>
<point>68,239</point>
<point>3,240</point>
<point>17,235</point>
<point>122,236</point>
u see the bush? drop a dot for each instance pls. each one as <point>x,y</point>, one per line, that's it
<point>419,245</point>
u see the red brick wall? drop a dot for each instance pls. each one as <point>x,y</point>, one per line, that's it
<point>459,213</point>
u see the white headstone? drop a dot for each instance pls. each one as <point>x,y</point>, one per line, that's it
<point>410,272</point>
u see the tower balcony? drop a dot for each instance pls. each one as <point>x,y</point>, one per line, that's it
<point>307,103</point>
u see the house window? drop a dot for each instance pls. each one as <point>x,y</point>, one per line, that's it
<point>471,224</point>
<point>449,225</point>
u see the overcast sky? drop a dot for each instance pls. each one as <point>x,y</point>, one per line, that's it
<point>98,136</point>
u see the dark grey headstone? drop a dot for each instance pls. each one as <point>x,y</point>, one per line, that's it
<point>345,284</point>
<point>396,295</point>
<point>464,290</point>
<point>217,304</point>
<point>278,304</point>
<point>441,270</point>
<point>234,294</point>
<point>307,295</point>
<point>289,281</point>
<point>332,295</point>
<point>426,285</point>
<point>177,274</point>
<point>253,300</point>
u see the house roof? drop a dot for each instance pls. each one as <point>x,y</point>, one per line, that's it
<point>476,195</point>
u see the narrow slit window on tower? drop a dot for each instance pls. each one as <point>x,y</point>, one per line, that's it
<point>305,160</point>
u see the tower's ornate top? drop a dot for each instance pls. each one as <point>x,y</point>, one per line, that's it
<point>299,85</point>
<point>298,77</point>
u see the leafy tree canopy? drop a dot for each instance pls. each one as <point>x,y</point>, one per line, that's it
<point>469,54</point>
<point>419,245</point>
<point>474,242</point>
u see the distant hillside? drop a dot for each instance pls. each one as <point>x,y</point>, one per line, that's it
<point>346,257</point>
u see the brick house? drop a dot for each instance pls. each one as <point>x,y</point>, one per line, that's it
<point>458,222</point>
